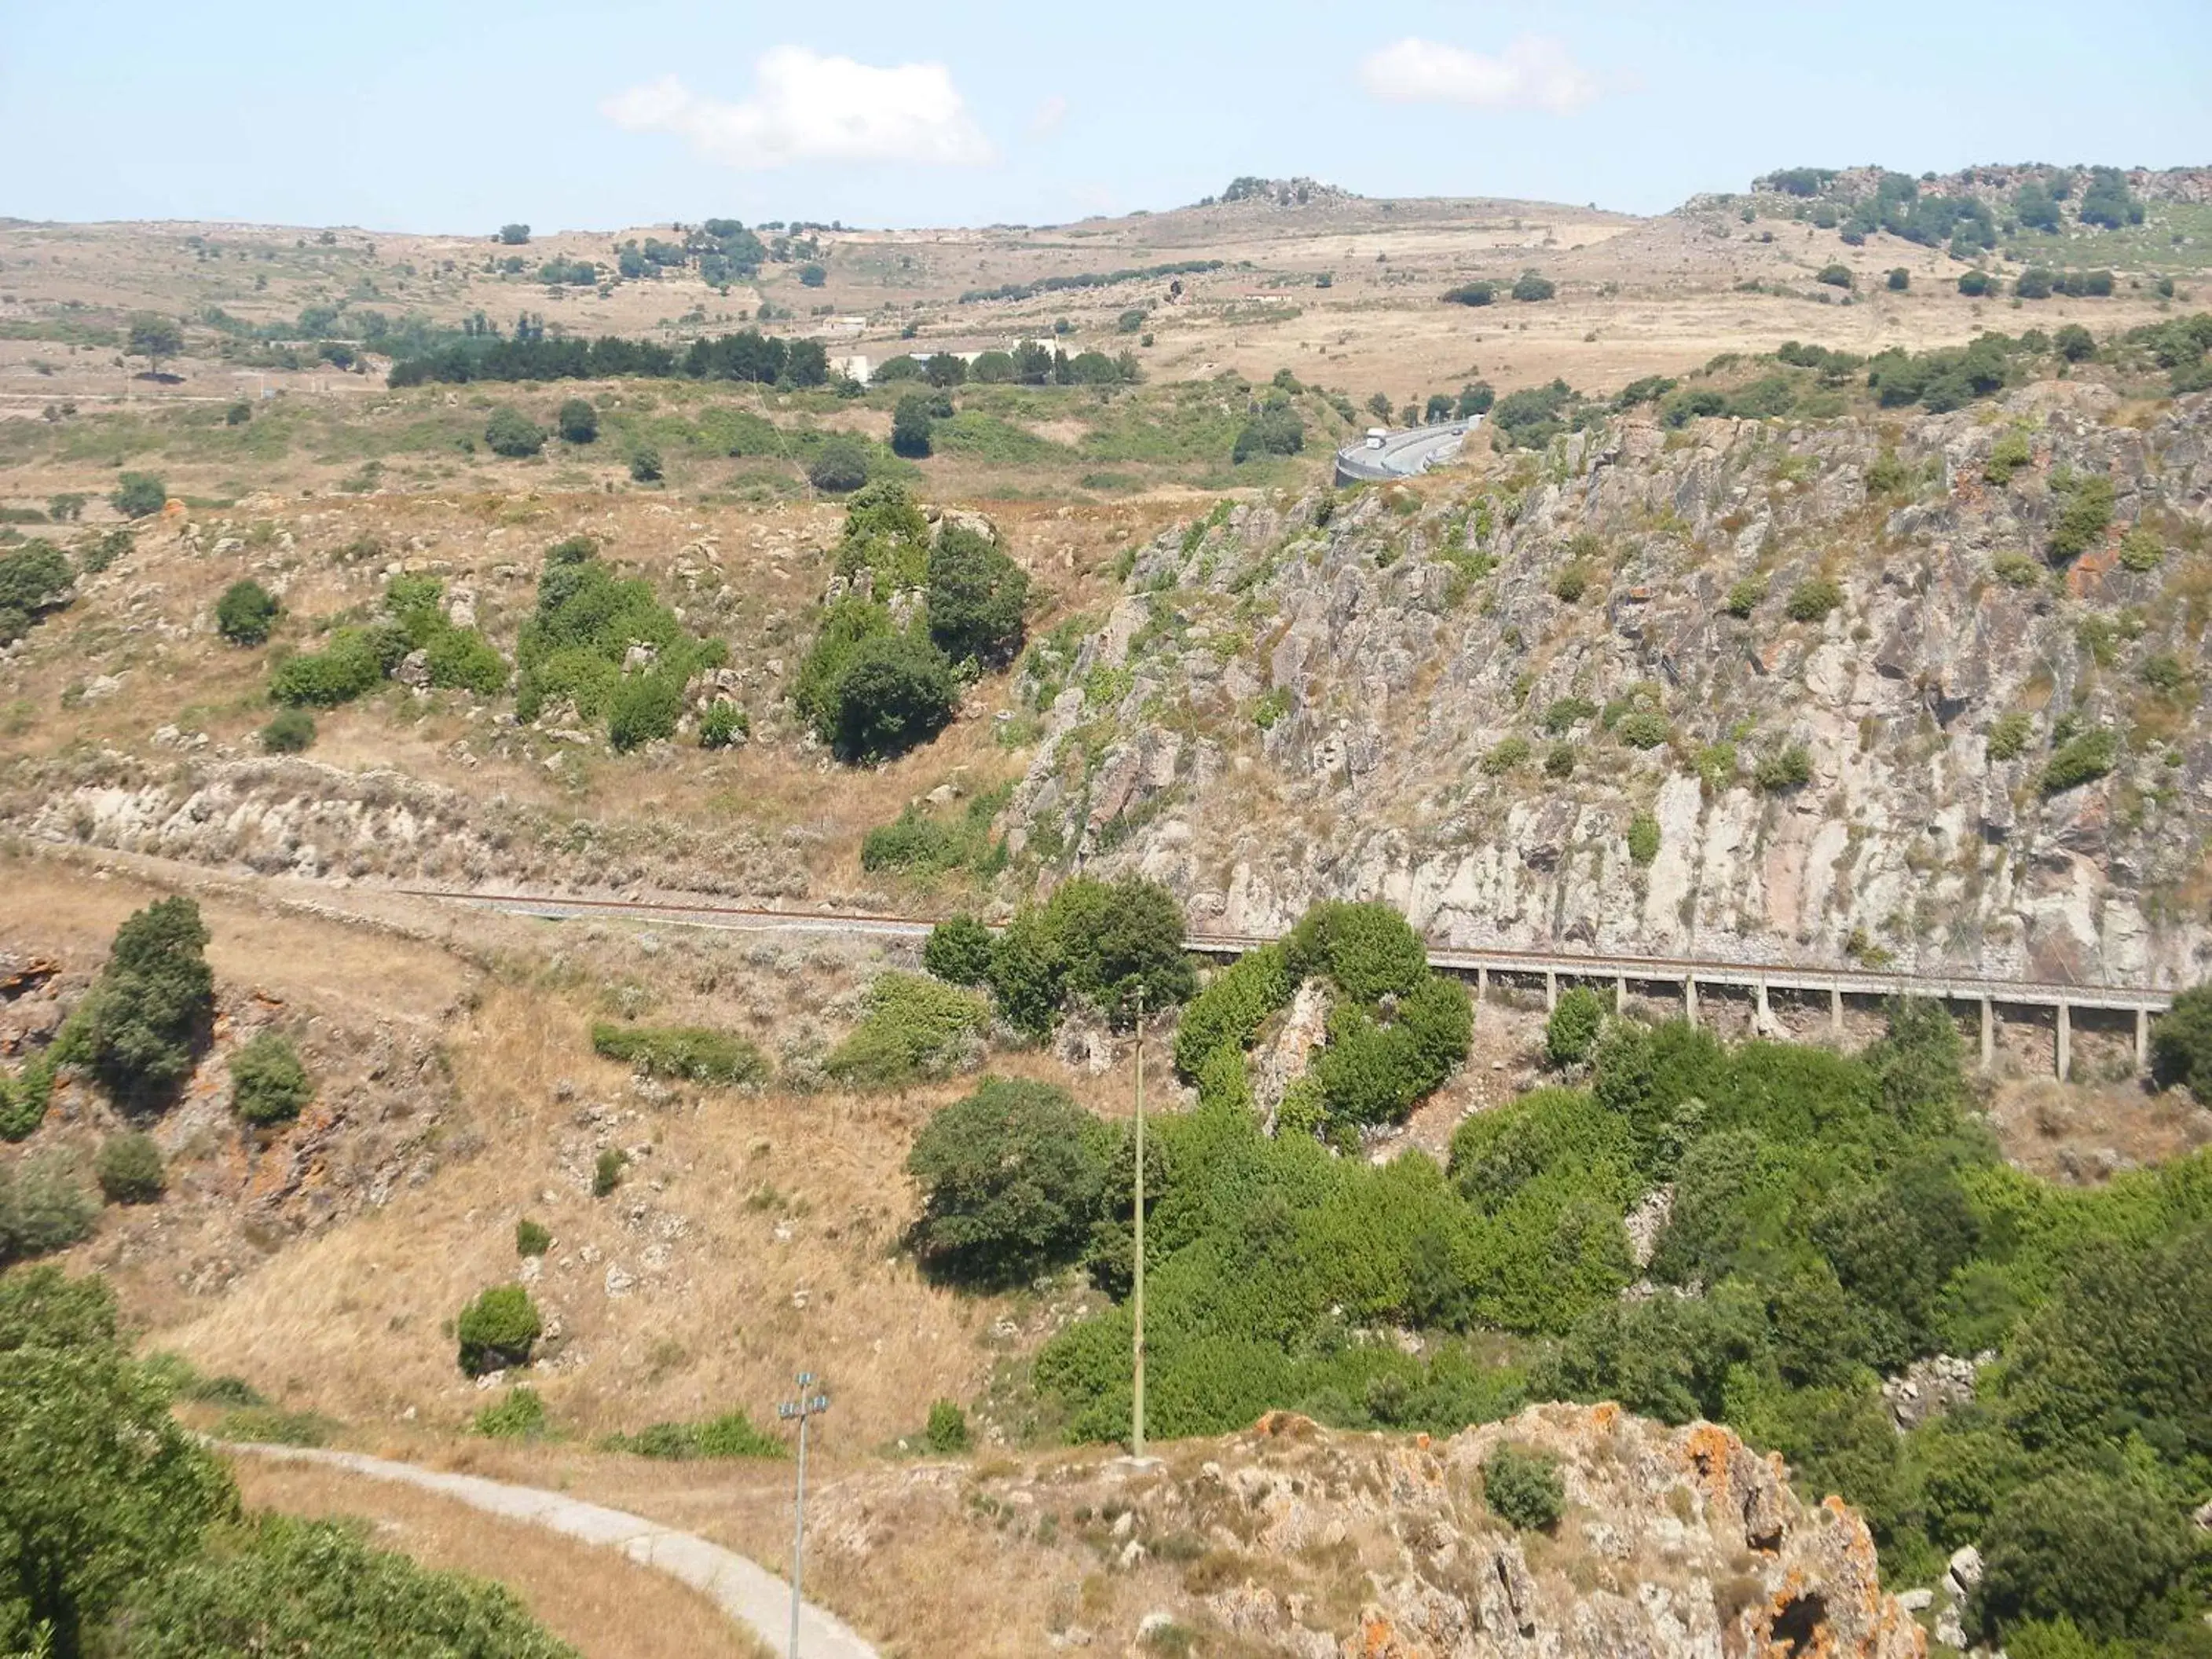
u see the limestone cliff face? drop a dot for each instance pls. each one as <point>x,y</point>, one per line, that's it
<point>1284,708</point>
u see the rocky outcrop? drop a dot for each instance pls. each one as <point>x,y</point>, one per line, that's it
<point>1291,706</point>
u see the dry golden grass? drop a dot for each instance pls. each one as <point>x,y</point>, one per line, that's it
<point>607,1606</point>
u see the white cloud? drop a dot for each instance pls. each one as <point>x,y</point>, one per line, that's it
<point>1535,71</point>
<point>1048,117</point>
<point>806,108</point>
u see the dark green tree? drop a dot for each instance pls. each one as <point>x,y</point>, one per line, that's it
<point>1011,1179</point>
<point>2098,1549</point>
<point>154,338</point>
<point>958,950</point>
<point>578,422</point>
<point>269,1084</point>
<point>498,1329</point>
<point>150,1012</point>
<point>246,613</point>
<point>910,425</point>
<point>138,495</point>
<point>977,597</point>
<point>511,433</point>
<point>2181,1043</point>
<point>840,466</point>
<point>897,691</point>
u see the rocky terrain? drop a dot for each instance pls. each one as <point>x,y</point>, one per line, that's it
<point>1291,1539</point>
<point>1462,701</point>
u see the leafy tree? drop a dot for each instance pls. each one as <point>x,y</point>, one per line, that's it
<point>958,950</point>
<point>154,338</point>
<point>1975,283</point>
<point>977,597</point>
<point>1438,407</point>
<point>645,464</point>
<point>1532,287</point>
<point>2095,1548</point>
<point>812,276</point>
<point>511,433</point>
<point>1011,1178</point>
<point>43,1208</point>
<point>129,1169</point>
<point>99,1487</point>
<point>269,1084</point>
<point>1276,430</point>
<point>151,1011</point>
<point>2033,284</point>
<point>1571,1034</point>
<point>2107,200</point>
<point>840,466</point>
<point>910,427</point>
<point>1524,1488</point>
<point>896,692</point>
<point>2181,1043</point>
<point>1836,276</point>
<point>34,578</point>
<point>2075,343</point>
<point>138,495</point>
<point>287,1586</point>
<point>1899,279</point>
<point>578,422</point>
<point>1475,399</point>
<point>514,235</point>
<point>246,613</point>
<point>497,1330</point>
<point>1471,294</point>
<point>1380,404</point>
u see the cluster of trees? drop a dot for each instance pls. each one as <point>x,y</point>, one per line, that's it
<point>121,1534</point>
<point>1529,287</point>
<point>1094,946</point>
<point>1088,279</point>
<point>1276,430</point>
<point>1029,363</point>
<point>581,644</point>
<point>2180,346</point>
<point>1832,1219</point>
<point>359,657</point>
<point>2037,283</point>
<point>748,355</point>
<point>36,579</point>
<point>871,689</point>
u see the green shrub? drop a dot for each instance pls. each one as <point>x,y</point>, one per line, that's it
<point>1899,279</point>
<point>129,1169</point>
<point>2009,734</point>
<point>1369,951</point>
<point>723,724</point>
<point>897,691</point>
<point>269,1084</point>
<point>976,596</point>
<point>1559,760</point>
<point>1230,1009</point>
<point>1523,1487</point>
<point>578,422</point>
<point>139,495</point>
<point>351,665</point>
<point>2083,519</point>
<point>152,1009</point>
<point>2142,549</point>
<point>1471,294</point>
<point>1743,597</point>
<point>1813,600</point>
<point>497,1330</point>
<point>1570,584</point>
<point>462,660</point>
<point>531,1237</point>
<point>1565,713</point>
<point>1093,943</point>
<point>282,1586</point>
<point>645,465</point>
<point>290,733</point>
<point>914,1028</point>
<point>1531,287</point>
<point>692,1054</point>
<point>1790,767</point>
<point>2016,570</point>
<point>2011,452</point>
<point>1506,755</point>
<point>1642,839</point>
<point>1643,728</point>
<point>43,1208</point>
<point>947,1433</point>
<point>1375,1071</point>
<point>246,613</point>
<point>607,1170</point>
<point>1975,283</point>
<point>2075,343</point>
<point>645,708</point>
<point>2081,759</point>
<point>1571,1033</point>
<point>520,1416</point>
<point>1011,1178</point>
<point>1836,276</point>
<point>840,466</point>
<point>511,433</point>
<point>958,950</point>
<point>731,1434</point>
<point>2181,1043</point>
<point>2098,1549</point>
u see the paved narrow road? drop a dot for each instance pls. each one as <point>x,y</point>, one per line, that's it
<point>747,1592</point>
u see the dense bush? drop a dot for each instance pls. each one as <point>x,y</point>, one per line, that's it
<point>1813,598</point>
<point>139,495</point>
<point>1571,1031</point>
<point>1276,430</point>
<point>914,1028</point>
<point>2082,519</point>
<point>1836,276</point>
<point>723,725</point>
<point>531,1237</point>
<point>910,427</point>
<point>246,613</point>
<point>129,1169</point>
<point>44,1207</point>
<point>1092,943</point>
<point>498,1329</point>
<point>1368,951</point>
<point>578,422</point>
<point>1642,839</point>
<point>1643,728</point>
<point>1477,292</point>
<point>521,1415</point>
<point>34,578</point>
<point>977,597</point>
<point>1790,767</point>
<point>946,1434</point>
<point>645,464</point>
<point>958,950</point>
<point>291,732</point>
<point>1531,287</point>
<point>150,1014</point>
<point>578,644</point>
<point>1011,1179</point>
<point>511,433</point>
<point>731,1434</point>
<point>840,466</point>
<point>692,1054</point>
<point>1975,283</point>
<point>1524,1488</point>
<point>896,691</point>
<point>351,665</point>
<point>2101,1550</point>
<point>1235,1003</point>
<point>268,1083</point>
<point>2081,759</point>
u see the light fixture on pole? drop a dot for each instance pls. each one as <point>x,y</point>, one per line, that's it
<point>808,1405</point>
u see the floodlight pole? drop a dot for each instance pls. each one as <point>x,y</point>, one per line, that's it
<point>807,1405</point>
<point>1137,1355</point>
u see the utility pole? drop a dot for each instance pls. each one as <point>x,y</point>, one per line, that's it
<point>806,1405</point>
<point>1137,1356</point>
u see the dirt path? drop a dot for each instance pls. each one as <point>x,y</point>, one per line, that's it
<point>750,1594</point>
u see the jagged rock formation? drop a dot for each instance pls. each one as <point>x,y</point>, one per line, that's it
<point>1295,1540</point>
<point>1291,706</point>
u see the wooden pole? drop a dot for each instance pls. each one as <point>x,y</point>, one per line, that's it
<point>1137,1355</point>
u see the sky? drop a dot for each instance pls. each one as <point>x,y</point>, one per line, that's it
<point>429,115</point>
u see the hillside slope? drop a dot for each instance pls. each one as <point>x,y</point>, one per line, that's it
<point>1465,702</point>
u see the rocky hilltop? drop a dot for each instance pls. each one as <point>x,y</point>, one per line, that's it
<point>1291,1539</point>
<point>1746,689</point>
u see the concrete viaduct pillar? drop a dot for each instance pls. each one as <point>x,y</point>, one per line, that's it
<point>1689,1000</point>
<point>1989,1034</point>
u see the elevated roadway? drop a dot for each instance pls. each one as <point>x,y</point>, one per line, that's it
<point>1403,455</point>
